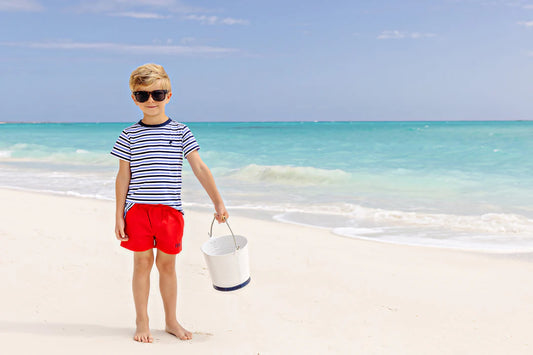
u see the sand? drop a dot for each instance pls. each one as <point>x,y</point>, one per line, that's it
<point>66,289</point>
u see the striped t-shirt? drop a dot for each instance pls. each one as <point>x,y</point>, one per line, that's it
<point>155,154</point>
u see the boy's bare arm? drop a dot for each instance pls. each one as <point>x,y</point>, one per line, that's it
<point>121,190</point>
<point>203,174</point>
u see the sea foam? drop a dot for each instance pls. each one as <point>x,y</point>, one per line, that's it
<point>292,175</point>
<point>5,154</point>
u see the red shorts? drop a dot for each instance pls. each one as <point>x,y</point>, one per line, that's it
<point>154,226</point>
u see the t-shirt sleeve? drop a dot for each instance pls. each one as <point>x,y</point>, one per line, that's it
<point>122,148</point>
<point>189,142</point>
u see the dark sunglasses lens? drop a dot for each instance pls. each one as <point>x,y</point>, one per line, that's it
<point>159,95</point>
<point>141,96</point>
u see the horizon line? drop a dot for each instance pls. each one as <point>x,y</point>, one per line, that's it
<point>288,121</point>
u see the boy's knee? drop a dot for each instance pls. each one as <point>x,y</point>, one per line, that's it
<point>144,262</point>
<point>165,266</point>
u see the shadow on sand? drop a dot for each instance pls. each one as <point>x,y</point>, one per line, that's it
<point>87,331</point>
<point>63,329</point>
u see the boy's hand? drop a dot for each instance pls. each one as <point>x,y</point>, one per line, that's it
<point>221,215</point>
<point>119,230</point>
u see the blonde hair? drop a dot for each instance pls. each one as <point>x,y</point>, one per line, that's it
<point>149,74</point>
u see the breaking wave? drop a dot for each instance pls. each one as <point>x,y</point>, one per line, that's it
<point>291,175</point>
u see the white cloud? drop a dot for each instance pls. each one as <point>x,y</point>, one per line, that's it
<point>124,48</point>
<point>21,5</point>
<point>391,35</point>
<point>215,20</point>
<point>422,35</point>
<point>133,6</point>
<point>232,21</point>
<point>526,23</point>
<point>139,15</point>
<point>152,9</point>
<point>403,35</point>
<point>206,20</point>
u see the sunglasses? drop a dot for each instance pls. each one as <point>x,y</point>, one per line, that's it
<point>143,96</point>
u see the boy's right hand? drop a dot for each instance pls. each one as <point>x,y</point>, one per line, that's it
<point>119,230</point>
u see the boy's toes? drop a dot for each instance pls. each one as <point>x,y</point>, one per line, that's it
<point>143,338</point>
<point>180,332</point>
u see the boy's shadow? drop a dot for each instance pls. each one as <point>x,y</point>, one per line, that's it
<point>63,329</point>
<point>88,331</point>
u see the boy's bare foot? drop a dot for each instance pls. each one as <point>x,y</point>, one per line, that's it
<point>177,330</point>
<point>143,334</point>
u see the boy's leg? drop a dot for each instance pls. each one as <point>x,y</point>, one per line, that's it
<point>168,285</point>
<point>142,265</point>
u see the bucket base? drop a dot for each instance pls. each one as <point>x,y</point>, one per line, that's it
<point>225,289</point>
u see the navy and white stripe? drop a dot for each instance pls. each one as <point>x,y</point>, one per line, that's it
<point>155,154</point>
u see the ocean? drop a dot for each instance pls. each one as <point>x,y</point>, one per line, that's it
<point>464,185</point>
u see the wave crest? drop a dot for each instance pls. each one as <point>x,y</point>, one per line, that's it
<point>291,175</point>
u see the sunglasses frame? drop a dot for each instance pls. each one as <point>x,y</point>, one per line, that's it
<point>150,93</point>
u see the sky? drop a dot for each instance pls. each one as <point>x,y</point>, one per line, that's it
<point>246,60</point>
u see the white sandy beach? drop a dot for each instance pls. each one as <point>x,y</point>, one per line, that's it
<point>66,290</point>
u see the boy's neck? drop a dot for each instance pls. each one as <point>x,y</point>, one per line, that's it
<point>154,120</point>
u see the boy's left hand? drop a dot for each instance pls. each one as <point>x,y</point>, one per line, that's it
<point>221,215</point>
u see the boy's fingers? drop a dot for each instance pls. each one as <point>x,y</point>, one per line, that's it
<point>121,235</point>
<point>220,218</point>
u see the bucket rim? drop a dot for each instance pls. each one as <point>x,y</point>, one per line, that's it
<point>241,238</point>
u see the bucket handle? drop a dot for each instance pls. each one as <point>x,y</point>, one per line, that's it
<point>233,235</point>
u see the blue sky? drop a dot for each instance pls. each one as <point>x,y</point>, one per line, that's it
<point>270,60</point>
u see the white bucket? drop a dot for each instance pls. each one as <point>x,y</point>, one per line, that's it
<point>227,260</point>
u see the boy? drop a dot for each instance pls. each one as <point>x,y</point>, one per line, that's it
<point>148,194</point>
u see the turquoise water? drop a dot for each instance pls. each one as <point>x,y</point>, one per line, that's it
<point>452,184</point>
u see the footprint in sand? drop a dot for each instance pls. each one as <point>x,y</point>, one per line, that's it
<point>201,336</point>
